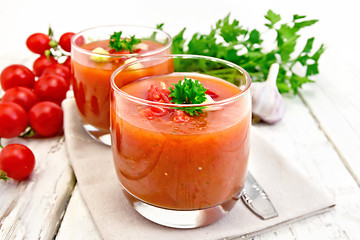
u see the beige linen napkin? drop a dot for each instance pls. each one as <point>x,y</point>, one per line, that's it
<point>293,196</point>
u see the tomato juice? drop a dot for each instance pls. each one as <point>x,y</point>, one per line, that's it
<point>188,165</point>
<point>91,78</point>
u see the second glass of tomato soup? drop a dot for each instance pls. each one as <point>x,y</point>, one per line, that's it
<point>181,139</point>
<point>95,54</point>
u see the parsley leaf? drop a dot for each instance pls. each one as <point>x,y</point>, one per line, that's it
<point>118,43</point>
<point>188,91</point>
<point>273,18</point>
<point>153,35</point>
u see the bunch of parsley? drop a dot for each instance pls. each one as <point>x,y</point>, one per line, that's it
<point>231,41</point>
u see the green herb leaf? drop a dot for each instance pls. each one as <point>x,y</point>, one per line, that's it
<point>312,69</point>
<point>118,43</point>
<point>309,45</point>
<point>296,17</point>
<point>318,53</point>
<point>158,26</point>
<point>178,42</point>
<point>188,91</point>
<point>303,24</point>
<point>273,18</point>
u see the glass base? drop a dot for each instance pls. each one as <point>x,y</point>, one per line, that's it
<point>184,219</point>
<point>99,135</point>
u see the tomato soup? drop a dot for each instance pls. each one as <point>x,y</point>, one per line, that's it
<point>91,77</point>
<point>184,165</point>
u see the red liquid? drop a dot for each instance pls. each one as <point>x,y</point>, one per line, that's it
<point>185,166</point>
<point>91,81</point>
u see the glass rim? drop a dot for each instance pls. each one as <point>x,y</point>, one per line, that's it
<point>172,105</point>
<point>112,55</point>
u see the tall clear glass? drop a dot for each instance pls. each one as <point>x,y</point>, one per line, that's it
<point>92,68</point>
<point>176,169</point>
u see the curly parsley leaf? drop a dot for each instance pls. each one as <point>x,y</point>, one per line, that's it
<point>118,43</point>
<point>230,41</point>
<point>188,91</point>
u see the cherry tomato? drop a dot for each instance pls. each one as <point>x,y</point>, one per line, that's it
<point>38,43</point>
<point>58,69</point>
<point>17,75</point>
<point>46,118</point>
<point>80,41</point>
<point>13,120</point>
<point>51,88</point>
<point>25,97</point>
<point>41,63</point>
<point>17,161</point>
<point>65,41</point>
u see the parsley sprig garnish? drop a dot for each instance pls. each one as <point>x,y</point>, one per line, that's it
<point>231,41</point>
<point>188,91</point>
<point>118,43</point>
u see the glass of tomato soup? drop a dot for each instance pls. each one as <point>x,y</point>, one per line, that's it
<point>95,54</point>
<point>180,140</point>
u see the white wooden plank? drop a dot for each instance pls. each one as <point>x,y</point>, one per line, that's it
<point>77,222</point>
<point>335,102</point>
<point>34,208</point>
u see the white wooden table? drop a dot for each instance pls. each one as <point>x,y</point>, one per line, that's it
<point>321,129</point>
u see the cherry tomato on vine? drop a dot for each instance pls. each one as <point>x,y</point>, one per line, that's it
<point>13,120</point>
<point>17,75</point>
<point>41,63</point>
<point>23,96</point>
<point>46,118</point>
<point>58,69</point>
<point>65,41</point>
<point>51,88</point>
<point>17,161</point>
<point>38,43</point>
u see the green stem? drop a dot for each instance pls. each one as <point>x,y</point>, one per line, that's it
<point>3,176</point>
<point>2,173</point>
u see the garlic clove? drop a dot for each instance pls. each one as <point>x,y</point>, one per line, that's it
<point>267,102</point>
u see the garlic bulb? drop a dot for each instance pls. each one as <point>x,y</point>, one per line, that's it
<point>267,102</point>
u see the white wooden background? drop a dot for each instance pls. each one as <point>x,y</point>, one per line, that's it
<point>321,129</point>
